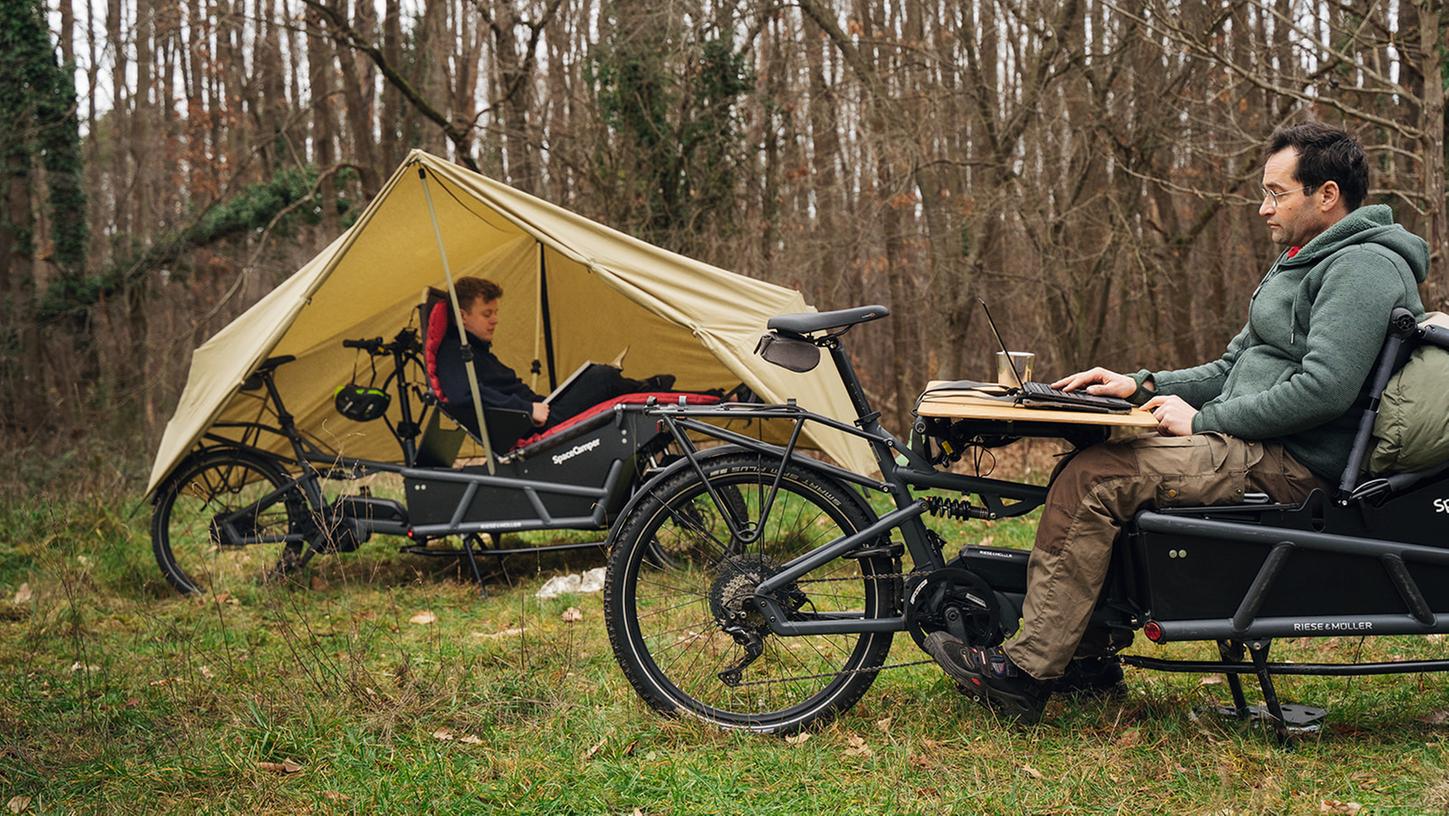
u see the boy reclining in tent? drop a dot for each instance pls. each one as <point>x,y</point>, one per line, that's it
<point>500,387</point>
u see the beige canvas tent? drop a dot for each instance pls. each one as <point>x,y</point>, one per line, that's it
<point>604,292</point>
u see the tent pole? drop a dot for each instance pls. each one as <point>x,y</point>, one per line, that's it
<point>537,317</point>
<point>458,321</point>
<point>547,323</point>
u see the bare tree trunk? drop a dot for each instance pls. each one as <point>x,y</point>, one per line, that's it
<point>67,35</point>
<point>94,172</point>
<point>320,71</point>
<point>296,149</point>
<point>1431,122</point>
<point>392,149</point>
<point>120,169</point>
<point>357,96</point>
<point>273,108</point>
<point>827,258</point>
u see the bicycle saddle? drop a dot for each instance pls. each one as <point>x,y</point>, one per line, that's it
<point>268,365</point>
<point>810,322</point>
<point>272,363</point>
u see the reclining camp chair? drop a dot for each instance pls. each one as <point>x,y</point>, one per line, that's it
<point>576,475</point>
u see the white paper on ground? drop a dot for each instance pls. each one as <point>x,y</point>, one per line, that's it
<point>591,581</point>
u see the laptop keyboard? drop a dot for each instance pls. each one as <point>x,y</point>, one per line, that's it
<point>1046,392</point>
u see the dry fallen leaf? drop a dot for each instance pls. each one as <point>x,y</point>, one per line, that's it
<point>1129,738</point>
<point>884,724</point>
<point>471,739</point>
<point>798,739</point>
<point>598,746</point>
<point>443,734</point>
<point>423,618</point>
<point>1335,806</point>
<point>572,615</point>
<point>132,702</point>
<point>932,744</point>
<point>1211,680</point>
<point>1435,718</point>
<point>858,747</point>
<point>319,583</point>
<point>18,804</point>
<point>206,672</point>
<point>88,667</point>
<point>23,595</point>
<point>286,766</point>
<point>336,796</point>
<point>1032,772</point>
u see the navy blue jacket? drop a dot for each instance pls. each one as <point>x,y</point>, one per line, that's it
<point>498,386</point>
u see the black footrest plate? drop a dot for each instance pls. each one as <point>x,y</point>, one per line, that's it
<point>1298,719</point>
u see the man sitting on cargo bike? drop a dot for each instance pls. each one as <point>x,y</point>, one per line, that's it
<point>1294,487</point>
<point>1276,415</point>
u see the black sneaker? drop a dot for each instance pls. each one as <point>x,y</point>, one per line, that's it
<point>990,677</point>
<point>1093,677</point>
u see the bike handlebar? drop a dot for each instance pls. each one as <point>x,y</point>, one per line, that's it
<point>405,342</point>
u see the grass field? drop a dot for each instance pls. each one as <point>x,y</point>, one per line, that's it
<point>118,696</point>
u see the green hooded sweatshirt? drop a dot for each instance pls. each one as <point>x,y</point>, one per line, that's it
<point>1315,327</point>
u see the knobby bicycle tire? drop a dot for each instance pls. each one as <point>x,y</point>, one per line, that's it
<point>797,681</point>
<point>184,539</point>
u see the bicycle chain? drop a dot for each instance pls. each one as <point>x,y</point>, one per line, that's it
<point>878,577</point>
<point>825,675</point>
<point>938,542</point>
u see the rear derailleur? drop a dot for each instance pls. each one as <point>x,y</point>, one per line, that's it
<point>732,600</point>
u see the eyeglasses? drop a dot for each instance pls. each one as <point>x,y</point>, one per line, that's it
<point>1269,194</point>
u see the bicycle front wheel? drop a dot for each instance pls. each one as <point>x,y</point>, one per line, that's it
<point>227,521</point>
<point>683,626</point>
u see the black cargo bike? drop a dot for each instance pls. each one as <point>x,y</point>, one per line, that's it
<point>756,588</point>
<point>233,515</point>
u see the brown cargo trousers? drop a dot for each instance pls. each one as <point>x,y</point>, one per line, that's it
<point>1097,489</point>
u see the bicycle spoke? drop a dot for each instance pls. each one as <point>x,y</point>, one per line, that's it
<point>692,652</point>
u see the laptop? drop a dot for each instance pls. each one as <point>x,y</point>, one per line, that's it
<point>584,368</point>
<point>1041,395</point>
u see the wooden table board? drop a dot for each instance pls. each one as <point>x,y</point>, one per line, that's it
<point>949,406</point>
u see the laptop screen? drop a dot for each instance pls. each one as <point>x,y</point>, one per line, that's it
<point>1010,362</point>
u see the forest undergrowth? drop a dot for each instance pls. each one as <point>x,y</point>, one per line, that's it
<point>385,683</point>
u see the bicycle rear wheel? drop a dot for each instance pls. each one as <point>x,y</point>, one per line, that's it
<point>227,521</point>
<point>682,626</point>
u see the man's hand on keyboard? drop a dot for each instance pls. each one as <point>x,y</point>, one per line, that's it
<point>1099,382</point>
<point>1174,417</point>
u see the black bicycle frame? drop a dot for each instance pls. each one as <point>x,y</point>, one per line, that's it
<point>901,469</point>
<point>307,456</point>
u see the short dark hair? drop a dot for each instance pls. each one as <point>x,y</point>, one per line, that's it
<point>1326,153</point>
<point>470,289</point>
